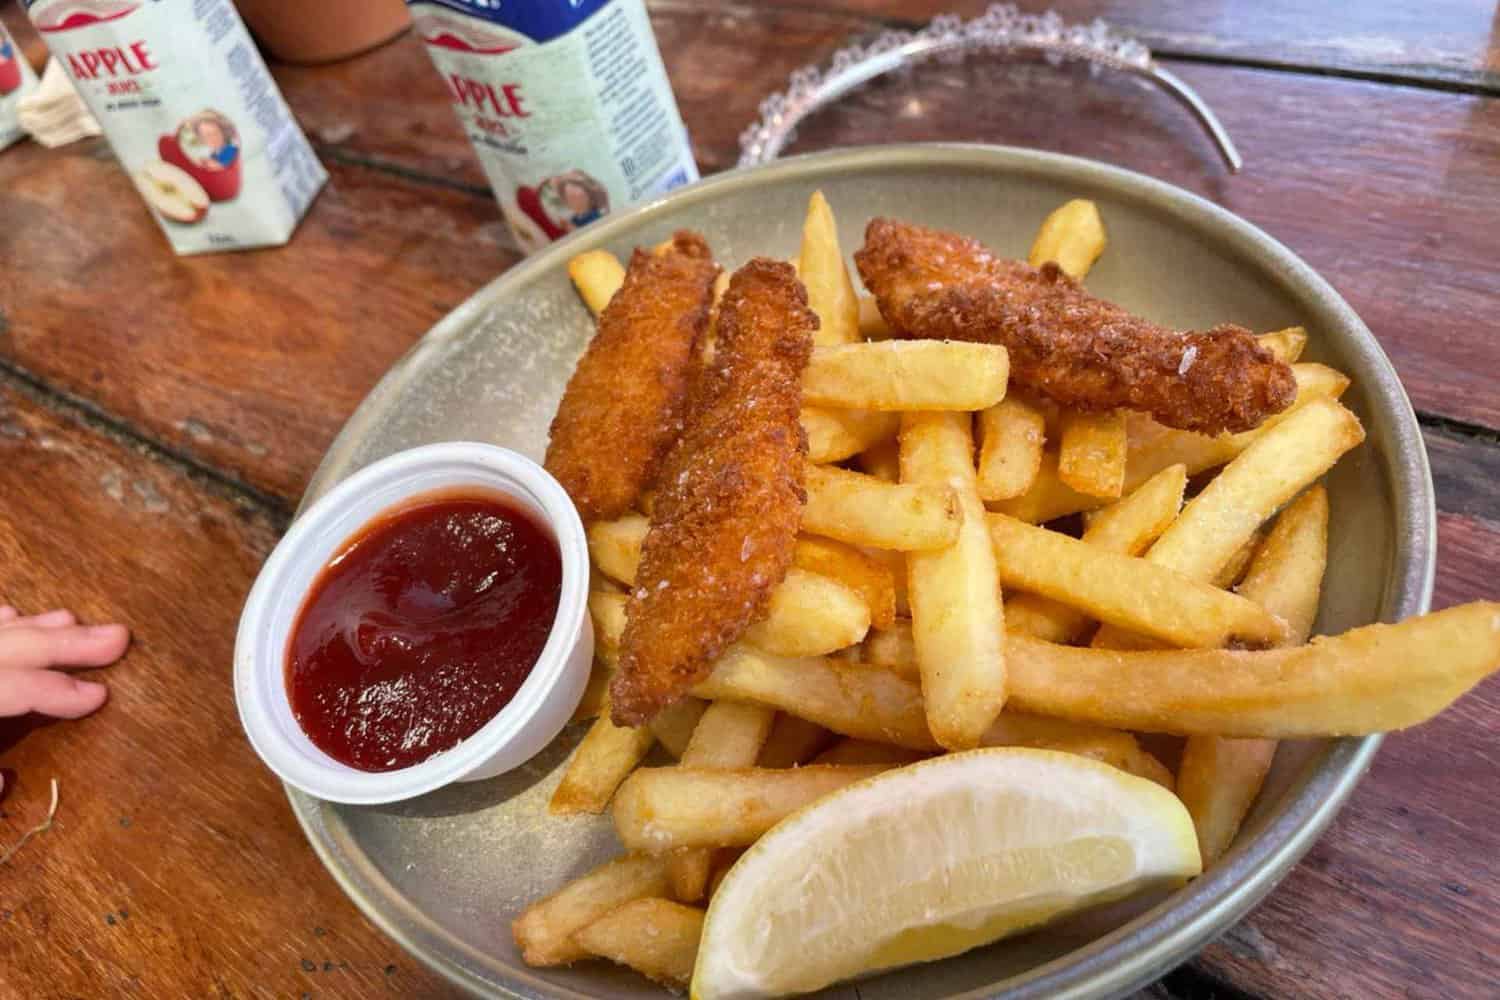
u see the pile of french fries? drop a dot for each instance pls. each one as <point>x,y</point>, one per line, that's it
<point>929,610</point>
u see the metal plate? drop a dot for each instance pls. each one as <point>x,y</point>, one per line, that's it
<point>445,874</point>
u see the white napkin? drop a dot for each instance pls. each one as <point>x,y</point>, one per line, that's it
<point>53,113</point>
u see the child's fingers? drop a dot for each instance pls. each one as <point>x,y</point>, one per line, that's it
<point>49,693</point>
<point>26,647</point>
<point>49,619</point>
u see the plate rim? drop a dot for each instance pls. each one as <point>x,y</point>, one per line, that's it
<point>1174,930</point>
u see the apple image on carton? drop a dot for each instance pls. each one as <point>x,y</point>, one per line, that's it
<point>219,183</point>
<point>10,73</point>
<point>172,192</point>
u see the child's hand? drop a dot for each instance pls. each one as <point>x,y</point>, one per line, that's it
<point>30,646</point>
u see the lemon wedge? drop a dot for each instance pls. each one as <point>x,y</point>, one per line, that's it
<point>933,859</point>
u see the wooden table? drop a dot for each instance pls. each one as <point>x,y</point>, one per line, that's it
<point>160,415</point>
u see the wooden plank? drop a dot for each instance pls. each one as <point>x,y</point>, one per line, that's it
<point>1398,897</point>
<point>1444,42</point>
<point>175,867</point>
<point>250,361</point>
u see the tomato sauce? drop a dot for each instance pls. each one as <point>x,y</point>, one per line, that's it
<point>422,628</point>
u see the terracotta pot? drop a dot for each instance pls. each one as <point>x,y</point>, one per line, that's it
<point>300,32</point>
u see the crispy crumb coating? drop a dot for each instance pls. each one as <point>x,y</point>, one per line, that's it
<point>729,500</point>
<point>1064,343</point>
<point>623,406</point>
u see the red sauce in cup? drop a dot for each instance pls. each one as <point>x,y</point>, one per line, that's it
<point>422,628</point>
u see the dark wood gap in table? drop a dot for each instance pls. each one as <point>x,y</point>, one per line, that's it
<point>100,421</point>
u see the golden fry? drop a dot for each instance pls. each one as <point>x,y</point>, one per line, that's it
<point>660,809</point>
<point>793,740</point>
<point>954,592</point>
<point>836,434</point>
<point>870,578</point>
<point>863,510</point>
<point>1091,454</point>
<point>1132,593</point>
<point>605,756</point>
<point>1011,434</point>
<point>544,930</point>
<point>821,266</point>
<point>907,375</point>
<point>656,937</point>
<point>1072,236</point>
<point>597,274</point>
<point>1368,680</point>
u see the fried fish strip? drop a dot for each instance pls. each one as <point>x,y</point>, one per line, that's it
<point>1081,351</point>
<point>624,404</point>
<point>725,518</point>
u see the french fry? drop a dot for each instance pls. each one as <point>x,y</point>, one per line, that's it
<point>872,325</point>
<point>954,592</point>
<point>863,510</point>
<point>615,546</point>
<point>883,460</point>
<point>1091,448</point>
<point>870,578</point>
<point>597,274</point>
<point>907,375</point>
<point>1286,344</point>
<point>1222,519</point>
<point>793,740</point>
<point>1131,524</point>
<point>1214,526</point>
<point>1011,435</point>
<point>656,937</point>
<point>1229,574</point>
<point>674,725</point>
<point>850,699</point>
<point>1267,474</point>
<point>660,809</point>
<point>602,760</point>
<point>1132,593</point>
<point>851,751</point>
<point>544,930</point>
<point>1151,447</point>
<point>1091,453</point>
<point>730,735</point>
<point>1368,680</point>
<point>821,267</point>
<point>1111,746</point>
<point>607,609</point>
<point>1219,778</point>
<point>892,647</point>
<point>809,614</point>
<point>1072,236</point>
<point>592,702</point>
<point>834,435</point>
<point>1126,527</point>
<point>1286,573</point>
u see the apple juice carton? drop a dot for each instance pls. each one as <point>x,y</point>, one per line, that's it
<point>16,81</point>
<point>566,102</point>
<point>191,113</point>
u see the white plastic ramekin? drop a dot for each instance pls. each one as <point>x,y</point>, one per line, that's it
<point>539,710</point>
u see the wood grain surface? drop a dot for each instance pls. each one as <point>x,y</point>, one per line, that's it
<point>159,416</point>
<point>175,867</point>
<point>1453,43</point>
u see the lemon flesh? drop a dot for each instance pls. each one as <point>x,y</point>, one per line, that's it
<point>934,859</point>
